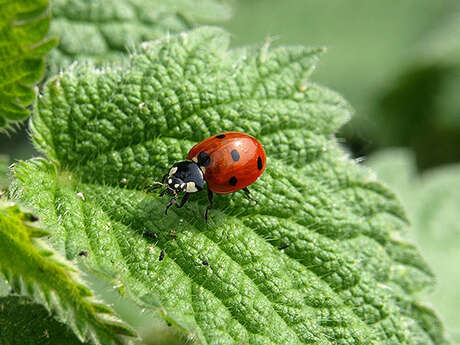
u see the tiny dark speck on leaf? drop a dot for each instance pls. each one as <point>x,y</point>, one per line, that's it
<point>32,217</point>
<point>83,253</point>
<point>162,256</point>
<point>283,246</point>
<point>150,234</point>
<point>205,263</point>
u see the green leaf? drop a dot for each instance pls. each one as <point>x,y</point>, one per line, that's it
<point>32,269</point>
<point>421,105</point>
<point>347,275</point>
<point>25,322</point>
<point>101,31</point>
<point>4,173</point>
<point>23,26</point>
<point>432,199</point>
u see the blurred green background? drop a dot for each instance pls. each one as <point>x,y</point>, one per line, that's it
<point>398,64</point>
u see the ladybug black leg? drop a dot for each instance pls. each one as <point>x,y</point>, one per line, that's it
<point>184,200</point>
<point>163,179</point>
<point>247,193</point>
<point>171,202</point>
<point>163,192</point>
<point>211,204</point>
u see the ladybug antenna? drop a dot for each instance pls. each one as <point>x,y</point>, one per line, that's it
<point>154,186</point>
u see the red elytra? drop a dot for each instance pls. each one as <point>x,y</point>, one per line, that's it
<point>236,160</point>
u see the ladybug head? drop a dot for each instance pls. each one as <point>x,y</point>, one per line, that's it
<point>175,185</point>
<point>184,176</point>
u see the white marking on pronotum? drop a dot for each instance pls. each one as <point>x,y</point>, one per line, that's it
<point>176,185</point>
<point>172,171</point>
<point>191,188</point>
<point>170,180</point>
<point>195,159</point>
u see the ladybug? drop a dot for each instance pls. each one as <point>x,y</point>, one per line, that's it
<point>228,162</point>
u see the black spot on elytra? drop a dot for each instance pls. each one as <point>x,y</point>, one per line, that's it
<point>259,163</point>
<point>220,136</point>
<point>235,155</point>
<point>233,181</point>
<point>203,159</point>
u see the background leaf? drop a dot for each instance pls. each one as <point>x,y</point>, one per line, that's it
<point>396,62</point>
<point>432,201</point>
<point>23,26</point>
<point>101,31</point>
<point>24,322</point>
<point>32,269</point>
<point>421,106</point>
<point>346,276</point>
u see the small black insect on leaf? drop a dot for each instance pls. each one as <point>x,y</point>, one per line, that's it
<point>162,255</point>
<point>205,263</point>
<point>30,217</point>
<point>283,246</point>
<point>83,253</point>
<point>150,234</point>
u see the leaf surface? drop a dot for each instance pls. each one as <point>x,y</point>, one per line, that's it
<point>4,173</point>
<point>23,27</point>
<point>432,201</point>
<point>24,322</point>
<point>32,269</point>
<point>101,31</point>
<point>346,276</point>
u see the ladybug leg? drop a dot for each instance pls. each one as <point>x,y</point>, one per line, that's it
<point>211,204</point>
<point>171,202</point>
<point>248,194</point>
<point>163,179</point>
<point>163,192</point>
<point>184,200</point>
